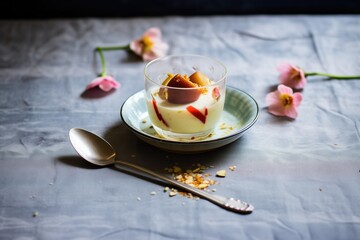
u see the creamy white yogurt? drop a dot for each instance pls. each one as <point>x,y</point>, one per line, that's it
<point>198,116</point>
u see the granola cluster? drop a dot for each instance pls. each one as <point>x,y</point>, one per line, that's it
<point>193,177</point>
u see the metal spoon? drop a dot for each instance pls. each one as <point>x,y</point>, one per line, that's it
<point>98,151</point>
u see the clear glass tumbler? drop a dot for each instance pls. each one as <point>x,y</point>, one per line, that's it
<point>180,110</point>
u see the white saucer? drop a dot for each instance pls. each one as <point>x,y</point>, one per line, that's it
<point>241,111</point>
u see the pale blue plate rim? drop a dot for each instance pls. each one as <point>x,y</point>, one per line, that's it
<point>167,141</point>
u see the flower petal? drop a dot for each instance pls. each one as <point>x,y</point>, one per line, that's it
<point>284,67</point>
<point>291,112</point>
<point>160,49</point>
<point>153,32</point>
<point>105,83</point>
<point>284,89</point>
<point>272,98</point>
<point>297,98</point>
<point>150,45</point>
<point>279,106</point>
<point>291,76</point>
<point>301,84</point>
<point>94,83</point>
<point>148,56</point>
<point>277,109</point>
<point>136,46</point>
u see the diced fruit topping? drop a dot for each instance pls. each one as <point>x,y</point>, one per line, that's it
<point>167,80</point>
<point>163,92</point>
<point>180,82</point>
<point>180,96</point>
<point>200,79</point>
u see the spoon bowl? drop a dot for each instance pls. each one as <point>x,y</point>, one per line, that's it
<point>98,151</point>
<point>92,147</point>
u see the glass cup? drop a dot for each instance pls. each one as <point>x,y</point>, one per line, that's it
<point>182,106</point>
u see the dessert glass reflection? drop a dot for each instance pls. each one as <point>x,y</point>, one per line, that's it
<point>185,95</point>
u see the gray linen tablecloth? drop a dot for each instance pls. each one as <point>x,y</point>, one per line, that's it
<point>302,176</point>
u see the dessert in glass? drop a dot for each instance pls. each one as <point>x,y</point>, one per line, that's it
<point>185,96</point>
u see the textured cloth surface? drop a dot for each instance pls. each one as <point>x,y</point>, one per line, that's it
<point>302,176</point>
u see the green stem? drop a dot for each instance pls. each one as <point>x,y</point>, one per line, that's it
<point>103,63</point>
<point>102,58</point>
<point>331,76</point>
<point>112,48</point>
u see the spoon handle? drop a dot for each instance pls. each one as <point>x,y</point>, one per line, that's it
<point>227,203</point>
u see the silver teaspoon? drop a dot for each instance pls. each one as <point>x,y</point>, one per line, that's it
<point>98,151</point>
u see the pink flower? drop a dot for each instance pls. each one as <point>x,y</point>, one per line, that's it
<point>283,102</point>
<point>105,83</point>
<point>291,76</point>
<point>150,45</point>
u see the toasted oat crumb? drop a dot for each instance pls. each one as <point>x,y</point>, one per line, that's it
<point>153,193</point>
<point>203,185</point>
<point>221,173</point>
<point>225,126</point>
<point>192,177</point>
<point>173,193</point>
<point>232,168</point>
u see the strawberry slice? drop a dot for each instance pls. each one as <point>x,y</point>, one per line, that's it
<point>196,113</point>
<point>158,114</point>
<point>216,93</point>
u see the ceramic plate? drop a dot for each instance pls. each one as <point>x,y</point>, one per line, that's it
<point>240,113</point>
